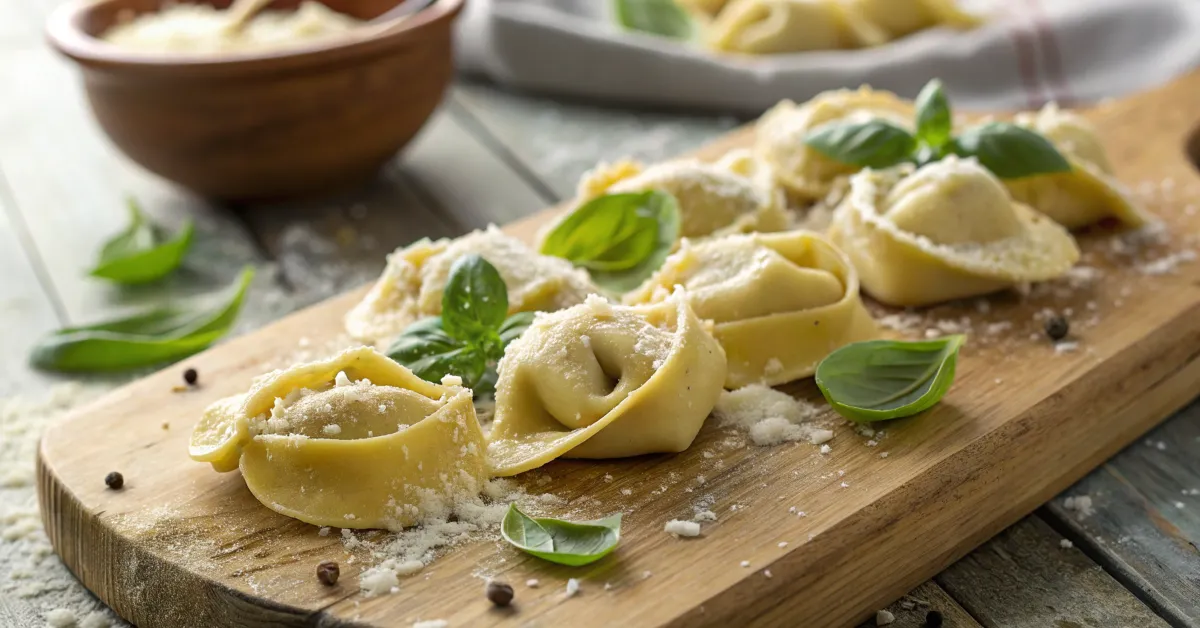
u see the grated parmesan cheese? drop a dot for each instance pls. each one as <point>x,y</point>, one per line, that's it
<point>769,417</point>
<point>379,581</point>
<point>682,528</point>
<point>572,587</point>
<point>61,618</point>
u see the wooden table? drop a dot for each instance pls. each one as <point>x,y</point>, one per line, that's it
<point>493,156</point>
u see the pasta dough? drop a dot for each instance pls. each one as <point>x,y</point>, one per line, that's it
<point>712,198</point>
<point>898,18</point>
<point>780,302</point>
<point>1087,194</point>
<point>946,231</point>
<point>777,26</point>
<point>604,381</point>
<point>411,286</point>
<point>355,441</point>
<point>805,173</point>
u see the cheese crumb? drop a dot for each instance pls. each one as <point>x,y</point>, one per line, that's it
<point>333,429</point>
<point>573,584</point>
<point>883,618</point>
<point>1082,505</point>
<point>324,531</point>
<point>431,623</point>
<point>769,416</point>
<point>783,544</point>
<point>379,581</point>
<point>682,528</point>
<point>532,583</point>
<point>626,491</point>
<point>745,563</point>
<point>451,380</point>
<point>767,573</point>
<point>341,379</point>
<point>826,449</point>
<point>1066,544</point>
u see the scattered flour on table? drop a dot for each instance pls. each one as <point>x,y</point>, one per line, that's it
<point>770,417</point>
<point>1081,505</point>
<point>35,582</point>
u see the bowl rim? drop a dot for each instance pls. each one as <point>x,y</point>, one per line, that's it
<point>65,34</point>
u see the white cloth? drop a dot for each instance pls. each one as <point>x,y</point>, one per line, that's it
<point>1032,51</point>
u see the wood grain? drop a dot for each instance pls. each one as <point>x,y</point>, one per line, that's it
<point>197,549</point>
<point>1026,579</point>
<point>1146,525</point>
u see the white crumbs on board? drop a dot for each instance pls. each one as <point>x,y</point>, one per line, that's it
<point>884,618</point>
<point>680,528</point>
<point>1081,505</point>
<point>431,623</point>
<point>572,587</point>
<point>769,416</point>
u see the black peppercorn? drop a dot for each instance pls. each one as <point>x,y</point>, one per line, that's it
<point>1057,328</point>
<point>328,572</point>
<point>933,619</point>
<point>190,376</point>
<point>114,481</point>
<point>499,593</point>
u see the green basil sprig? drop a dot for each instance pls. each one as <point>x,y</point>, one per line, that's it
<point>160,335</point>
<point>563,542</point>
<point>664,18</point>
<point>1008,150</point>
<point>878,380</point>
<point>143,252</point>
<point>621,239</point>
<point>471,334</point>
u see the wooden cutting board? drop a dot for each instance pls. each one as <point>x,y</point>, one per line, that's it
<point>183,546</point>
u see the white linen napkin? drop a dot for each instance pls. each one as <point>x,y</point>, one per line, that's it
<point>1031,52</point>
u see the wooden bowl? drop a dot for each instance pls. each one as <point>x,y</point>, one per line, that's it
<point>264,125</point>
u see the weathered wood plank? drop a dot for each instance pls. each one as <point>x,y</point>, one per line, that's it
<point>1024,578</point>
<point>913,610</point>
<point>559,141</point>
<point>464,178</point>
<point>70,186</point>
<point>1145,528</point>
<point>26,309</point>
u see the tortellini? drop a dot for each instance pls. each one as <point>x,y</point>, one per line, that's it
<point>412,284</point>
<point>355,441</point>
<point>776,26</point>
<point>948,230</point>
<point>604,381</point>
<point>1087,194</point>
<point>805,173</point>
<point>780,302</point>
<point>898,18</point>
<point>712,197</point>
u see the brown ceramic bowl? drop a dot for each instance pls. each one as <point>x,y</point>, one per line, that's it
<point>271,124</point>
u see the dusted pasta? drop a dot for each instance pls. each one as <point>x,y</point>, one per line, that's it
<point>712,198</point>
<point>355,441</point>
<point>777,26</point>
<point>805,173</point>
<point>604,381</point>
<point>780,302</point>
<point>948,230</point>
<point>412,283</point>
<point>1088,193</point>
<point>898,18</point>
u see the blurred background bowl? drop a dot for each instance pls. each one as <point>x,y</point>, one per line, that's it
<point>266,124</point>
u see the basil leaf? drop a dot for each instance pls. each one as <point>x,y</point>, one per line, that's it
<point>465,362</point>
<point>872,144</point>
<point>657,17</point>
<point>161,335</point>
<point>934,122</point>
<point>1010,151</point>
<point>606,233</point>
<point>475,300</point>
<point>513,327</point>
<point>562,542</point>
<point>879,380</point>
<point>620,238</point>
<point>143,252</point>
<point>421,340</point>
